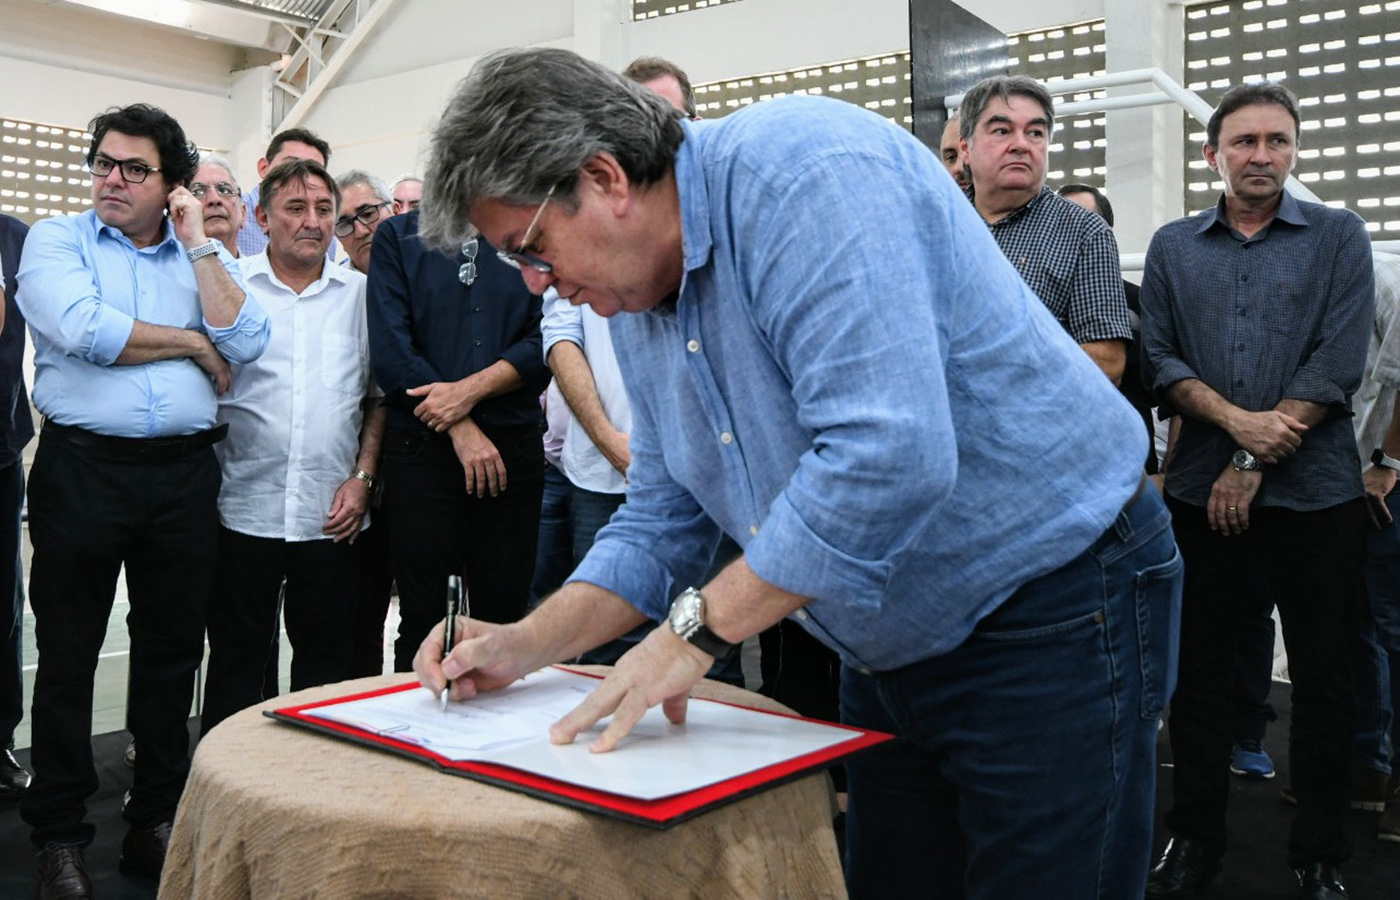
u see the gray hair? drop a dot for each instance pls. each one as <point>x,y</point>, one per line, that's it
<point>214,159</point>
<point>525,121</point>
<point>408,178</point>
<point>975,101</point>
<point>360,176</point>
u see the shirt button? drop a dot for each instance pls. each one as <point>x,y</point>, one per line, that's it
<point>1240,348</point>
<point>1243,313</point>
<point>726,438</point>
<point>802,614</point>
<point>692,345</point>
<point>863,670</point>
<point>476,309</point>
<point>1244,278</point>
<point>753,529</point>
<point>478,343</point>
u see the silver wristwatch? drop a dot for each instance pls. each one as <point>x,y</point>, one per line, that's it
<point>687,620</point>
<point>1244,461</point>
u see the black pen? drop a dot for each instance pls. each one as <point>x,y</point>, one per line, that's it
<point>449,629</point>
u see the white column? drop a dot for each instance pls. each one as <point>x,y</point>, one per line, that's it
<point>1144,153</point>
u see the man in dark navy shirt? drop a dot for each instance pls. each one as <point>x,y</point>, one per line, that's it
<point>16,428</point>
<point>455,346</point>
<point>1255,318</point>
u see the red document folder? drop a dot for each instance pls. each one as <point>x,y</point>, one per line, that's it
<point>660,813</point>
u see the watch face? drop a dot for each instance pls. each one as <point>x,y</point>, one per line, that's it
<point>685,613</point>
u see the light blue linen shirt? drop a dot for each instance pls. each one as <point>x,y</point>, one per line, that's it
<point>856,386</point>
<point>82,285</point>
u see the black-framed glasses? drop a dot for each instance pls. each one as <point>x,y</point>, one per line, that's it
<point>518,257</point>
<point>222,188</point>
<point>365,215</point>
<point>467,273</point>
<point>133,170</point>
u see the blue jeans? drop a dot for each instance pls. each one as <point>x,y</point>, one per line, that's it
<point>554,555</point>
<point>1378,665</point>
<point>1027,765</point>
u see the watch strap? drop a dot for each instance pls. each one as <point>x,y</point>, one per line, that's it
<point>710,642</point>
<point>1380,458</point>
<point>365,477</point>
<point>208,249</point>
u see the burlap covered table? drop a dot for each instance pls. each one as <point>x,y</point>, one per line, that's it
<point>275,812</point>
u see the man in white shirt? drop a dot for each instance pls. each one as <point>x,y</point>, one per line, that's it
<point>305,429</point>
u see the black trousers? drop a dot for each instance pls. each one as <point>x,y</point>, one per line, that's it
<point>11,603</point>
<point>1312,564</point>
<point>319,608</point>
<point>90,514</point>
<point>436,529</point>
<point>372,597</point>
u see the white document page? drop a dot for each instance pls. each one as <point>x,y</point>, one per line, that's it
<point>657,759</point>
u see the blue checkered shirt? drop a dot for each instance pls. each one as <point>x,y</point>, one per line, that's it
<point>1285,313</point>
<point>1069,258</point>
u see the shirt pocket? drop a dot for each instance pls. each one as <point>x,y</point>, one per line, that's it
<point>343,366</point>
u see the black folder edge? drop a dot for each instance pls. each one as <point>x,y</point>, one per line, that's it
<point>863,739</point>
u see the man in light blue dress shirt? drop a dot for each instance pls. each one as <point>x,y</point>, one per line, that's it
<point>136,315</point>
<point>831,362</point>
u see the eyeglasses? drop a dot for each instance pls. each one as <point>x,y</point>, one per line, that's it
<point>366,216</point>
<point>518,257</point>
<point>467,274</point>
<point>133,170</point>
<point>222,188</point>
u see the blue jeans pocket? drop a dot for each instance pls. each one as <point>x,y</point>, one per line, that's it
<point>1158,601</point>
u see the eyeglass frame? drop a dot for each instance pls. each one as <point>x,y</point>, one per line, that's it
<point>468,271</point>
<point>518,257</point>
<point>359,217</point>
<point>199,189</point>
<point>114,164</point>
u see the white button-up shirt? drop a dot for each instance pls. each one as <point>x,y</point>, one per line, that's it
<point>294,414</point>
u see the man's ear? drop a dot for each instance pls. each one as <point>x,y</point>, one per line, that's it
<point>604,176</point>
<point>260,215</point>
<point>262,168</point>
<point>1209,153</point>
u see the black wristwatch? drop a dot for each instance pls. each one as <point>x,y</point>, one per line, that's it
<point>1244,461</point>
<point>687,620</point>
<point>1379,458</point>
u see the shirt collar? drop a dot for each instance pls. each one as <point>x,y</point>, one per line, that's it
<point>697,242</point>
<point>259,266</point>
<point>116,234</point>
<point>1289,210</point>
<point>1020,211</point>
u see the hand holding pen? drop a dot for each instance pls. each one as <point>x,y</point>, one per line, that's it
<point>457,604</point>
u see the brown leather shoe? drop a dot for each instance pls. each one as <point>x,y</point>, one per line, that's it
<point>62,873</point>
<point>143,851</point>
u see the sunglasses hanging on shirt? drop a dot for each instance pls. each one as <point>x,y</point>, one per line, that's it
<point>467,273</point>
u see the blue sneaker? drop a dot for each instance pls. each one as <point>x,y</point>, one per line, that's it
<point>1248,760</point>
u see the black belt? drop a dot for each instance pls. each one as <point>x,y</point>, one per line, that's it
<point>158,449</point>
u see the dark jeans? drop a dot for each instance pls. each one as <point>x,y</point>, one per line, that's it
<point>437,530</point>
<point>318,607</point>
<point>11,613</point>
<point>1028,761</point>
<point>1312,562</point>
<point>91,513</point>
<point>554,555</point>
<point>1379,674</point>
<point>372,597</point>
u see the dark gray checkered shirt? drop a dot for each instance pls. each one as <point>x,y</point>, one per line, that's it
<point>1069,257</point>
<point>1283,314</point>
